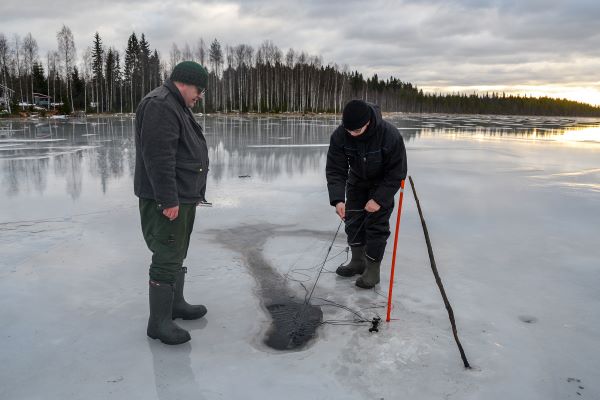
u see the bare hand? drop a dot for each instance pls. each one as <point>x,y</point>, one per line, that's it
<point>372,206</point>
<point>171,213</point>
<point>340,209</point>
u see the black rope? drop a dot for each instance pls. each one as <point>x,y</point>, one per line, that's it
<point>307,299</point>
<point>361,225</point>
<point>360,319</point>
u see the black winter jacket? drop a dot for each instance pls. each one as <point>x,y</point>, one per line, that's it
<point>171,152</point>
<point>376,159</point>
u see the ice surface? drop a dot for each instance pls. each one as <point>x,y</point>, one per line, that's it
<point>513,218</point>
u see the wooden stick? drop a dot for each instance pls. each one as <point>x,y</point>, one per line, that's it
<point>438,279</point>
<point>389,305</point>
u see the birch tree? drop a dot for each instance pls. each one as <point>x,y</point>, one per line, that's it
<point>4,58</point>
<point>87,71</point>
<point>215,56</point>
<point>186,53</point>
<point>200,52</point>
<point>174,55</point>
<point>30,55</point>
<point>66,49</point>
<point>18,63</point>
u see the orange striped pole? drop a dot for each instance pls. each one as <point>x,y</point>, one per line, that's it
<point>389,305</point>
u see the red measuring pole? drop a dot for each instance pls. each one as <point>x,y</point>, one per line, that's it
<point>389,305</point>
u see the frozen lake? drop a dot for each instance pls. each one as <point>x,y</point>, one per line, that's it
<point>512,207</point>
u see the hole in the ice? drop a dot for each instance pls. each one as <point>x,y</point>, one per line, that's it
<point>293,326</point>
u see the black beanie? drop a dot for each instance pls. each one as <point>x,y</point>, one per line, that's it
<point>190,72</point>
<point>356,114</point>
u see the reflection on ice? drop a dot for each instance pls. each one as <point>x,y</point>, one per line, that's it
<point>238,145</point>
<point>286,145</point>
<point>580,135</point>
<point>582,172</point>
<point>580,181</point>
<point>31,140</point>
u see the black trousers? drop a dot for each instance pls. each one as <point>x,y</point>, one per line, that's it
<point>363,228</point>
<point>167,240</point>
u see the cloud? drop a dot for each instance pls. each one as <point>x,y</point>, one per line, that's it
<point>435,43</point>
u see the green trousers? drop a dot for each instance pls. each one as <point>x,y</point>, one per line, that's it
<point>167,240</point>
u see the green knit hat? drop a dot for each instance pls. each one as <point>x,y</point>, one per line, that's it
<point>190,72</point>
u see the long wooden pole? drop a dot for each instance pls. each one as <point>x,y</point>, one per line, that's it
<point>389,305</point>
<point>438,279</point>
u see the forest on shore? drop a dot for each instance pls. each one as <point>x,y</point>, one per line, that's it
<point>104,79</point>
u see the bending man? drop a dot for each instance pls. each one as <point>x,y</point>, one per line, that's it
<point>366,162</point>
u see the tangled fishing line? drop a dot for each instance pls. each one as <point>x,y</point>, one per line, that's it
<point>359,318</point>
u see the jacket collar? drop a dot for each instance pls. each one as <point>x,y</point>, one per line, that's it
<point>173,89</point>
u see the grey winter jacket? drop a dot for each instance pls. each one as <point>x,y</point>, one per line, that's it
<point>171,152</point>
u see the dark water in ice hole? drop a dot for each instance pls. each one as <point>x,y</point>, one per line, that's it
<point>294,322</point>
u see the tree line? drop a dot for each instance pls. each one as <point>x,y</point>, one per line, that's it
<point>241,79</point>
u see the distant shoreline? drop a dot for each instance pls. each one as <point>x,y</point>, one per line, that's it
<point>59,117</point>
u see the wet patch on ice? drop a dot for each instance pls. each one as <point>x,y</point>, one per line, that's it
<point>528,319</point>
<point>21,239</point>
<point>294,321</point>
<point>577,182</point>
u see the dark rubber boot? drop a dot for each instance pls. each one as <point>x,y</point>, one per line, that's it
<point>181,309</point>
<point>370,277</point>
<point>160,323</point>
<point>356,265</point>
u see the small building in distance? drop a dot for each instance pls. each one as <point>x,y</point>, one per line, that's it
<point>42,100</point>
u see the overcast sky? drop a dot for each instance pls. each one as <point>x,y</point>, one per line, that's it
<point>534,46</point>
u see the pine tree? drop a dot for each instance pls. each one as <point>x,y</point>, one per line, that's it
<point>131,70</point>
<point>118,79</point>
<point>97,73</point>
<point>38,78</point>
<point>78,85</point>
<point>144,58</point>
<point>109,68</point>
<point>154,70</point>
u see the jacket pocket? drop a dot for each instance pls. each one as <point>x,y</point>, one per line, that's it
<point>374,163</point>
<point>191,178</point>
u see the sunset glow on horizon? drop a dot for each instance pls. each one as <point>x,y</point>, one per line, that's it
<point>583,94</point>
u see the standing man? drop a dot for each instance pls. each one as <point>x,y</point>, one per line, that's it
<point>366,162</point>
<point>170,180</point>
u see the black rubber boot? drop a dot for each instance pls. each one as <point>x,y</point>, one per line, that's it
<point>356,265</point>
<point>160,323</point>
<point>181,309</point>
<point>370,277</point>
